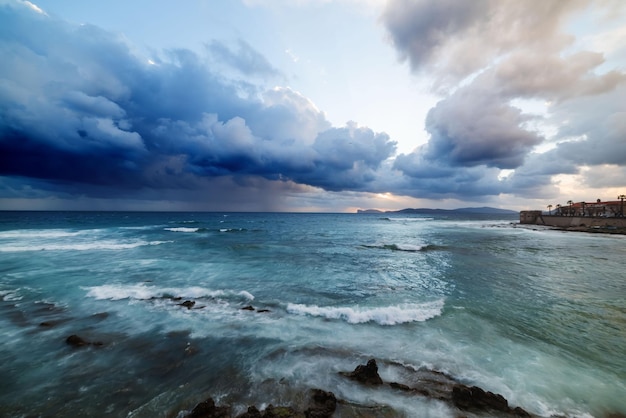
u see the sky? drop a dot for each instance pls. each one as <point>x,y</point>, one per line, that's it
<point>311,105</point>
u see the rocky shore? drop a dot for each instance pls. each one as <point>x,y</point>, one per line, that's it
<point>580,228</point>
<point>468,401</point>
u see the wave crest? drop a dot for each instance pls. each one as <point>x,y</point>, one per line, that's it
<point>145,292</point>
<point>389,315</point>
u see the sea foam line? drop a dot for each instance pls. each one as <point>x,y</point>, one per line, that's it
<point>144,292</point>
<point>95,245</point>
<point>182,229</point>
<point>389,315</point>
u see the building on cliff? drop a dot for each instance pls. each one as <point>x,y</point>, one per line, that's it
<point>609,209</point>
<point>599,214</point>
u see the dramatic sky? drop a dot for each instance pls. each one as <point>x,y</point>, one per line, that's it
<point>311,105</point>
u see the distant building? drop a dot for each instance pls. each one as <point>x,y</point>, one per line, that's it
<point>598,208</point>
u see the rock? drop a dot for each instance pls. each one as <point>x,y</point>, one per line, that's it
<point>76,341</point>
<point>263,310</point>
<point>400,386</point>
<point>322,404</point>
<point>519,412</point>
<point>366,374</point>
<point>252,412</point>
<point>207,409</point>
<point>247,308</point>
<point>465,397</point>
<point>188,304</point>
<point>280,412</point>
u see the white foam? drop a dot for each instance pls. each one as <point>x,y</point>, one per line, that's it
<point>389,315</point>
<point>39,233</point>
<point>10,295</point>
<point>409,247</point>
<point>411,219</point>
<point>145,292</point>
<point>247,295</point>
<point>86,246</point>
<point>182,229</point>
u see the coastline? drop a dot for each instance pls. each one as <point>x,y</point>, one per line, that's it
<point>580,228</point>
<point>591,224</point>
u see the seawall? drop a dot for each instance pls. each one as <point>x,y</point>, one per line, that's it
<point>535,217</point>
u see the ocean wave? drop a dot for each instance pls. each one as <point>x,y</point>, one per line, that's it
<point>39,233</point>
<point>182,229</point>
<point>389,315</point>
<point>412,248</point>
<point>146,292</point>
<point>87,246</point>
<point>406,219</point>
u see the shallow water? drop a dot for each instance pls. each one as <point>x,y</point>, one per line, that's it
<point>537,316</point>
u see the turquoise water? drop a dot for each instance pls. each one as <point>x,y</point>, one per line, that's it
<point>538,316</point>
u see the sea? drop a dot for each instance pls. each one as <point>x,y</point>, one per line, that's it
<point>260,308</point>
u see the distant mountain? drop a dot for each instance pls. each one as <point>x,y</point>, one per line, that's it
<point>485,209</point>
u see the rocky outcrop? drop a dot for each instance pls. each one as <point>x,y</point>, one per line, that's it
<point>471,400</point>
<point>366,374</point>
<point>321,405</point>
<point>207,409</point>
<point>436,385</point>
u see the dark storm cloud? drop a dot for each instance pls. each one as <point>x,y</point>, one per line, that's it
<point>472,127</point>
<point>82,112</point>
<point>481,56</point>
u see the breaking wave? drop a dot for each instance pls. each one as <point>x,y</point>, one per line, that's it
<point>182,229</point>
<point>95,245</point>
<point>402,247</point>
<point>145,292</point>
<point>389,315</point>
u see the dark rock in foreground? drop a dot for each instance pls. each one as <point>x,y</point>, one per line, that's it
<point>321,405</point>
<point>207,409</point>
<point>366,374</point>
<point>470,400</point>
<point>474,397</point>
<point>436,385</point>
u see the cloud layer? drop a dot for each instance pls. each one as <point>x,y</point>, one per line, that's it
<point>84,115</point>
<point>78,107</point>
<point>482,57</point>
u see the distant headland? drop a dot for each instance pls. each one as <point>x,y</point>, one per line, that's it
<point>483,210</point>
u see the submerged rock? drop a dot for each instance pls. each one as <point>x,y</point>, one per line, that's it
<point>76,341</point>
<point>188,304</point>
<point>366,374</point>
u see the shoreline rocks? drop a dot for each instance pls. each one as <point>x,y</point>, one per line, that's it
<point>322,404</point>
<point>432,384</point>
